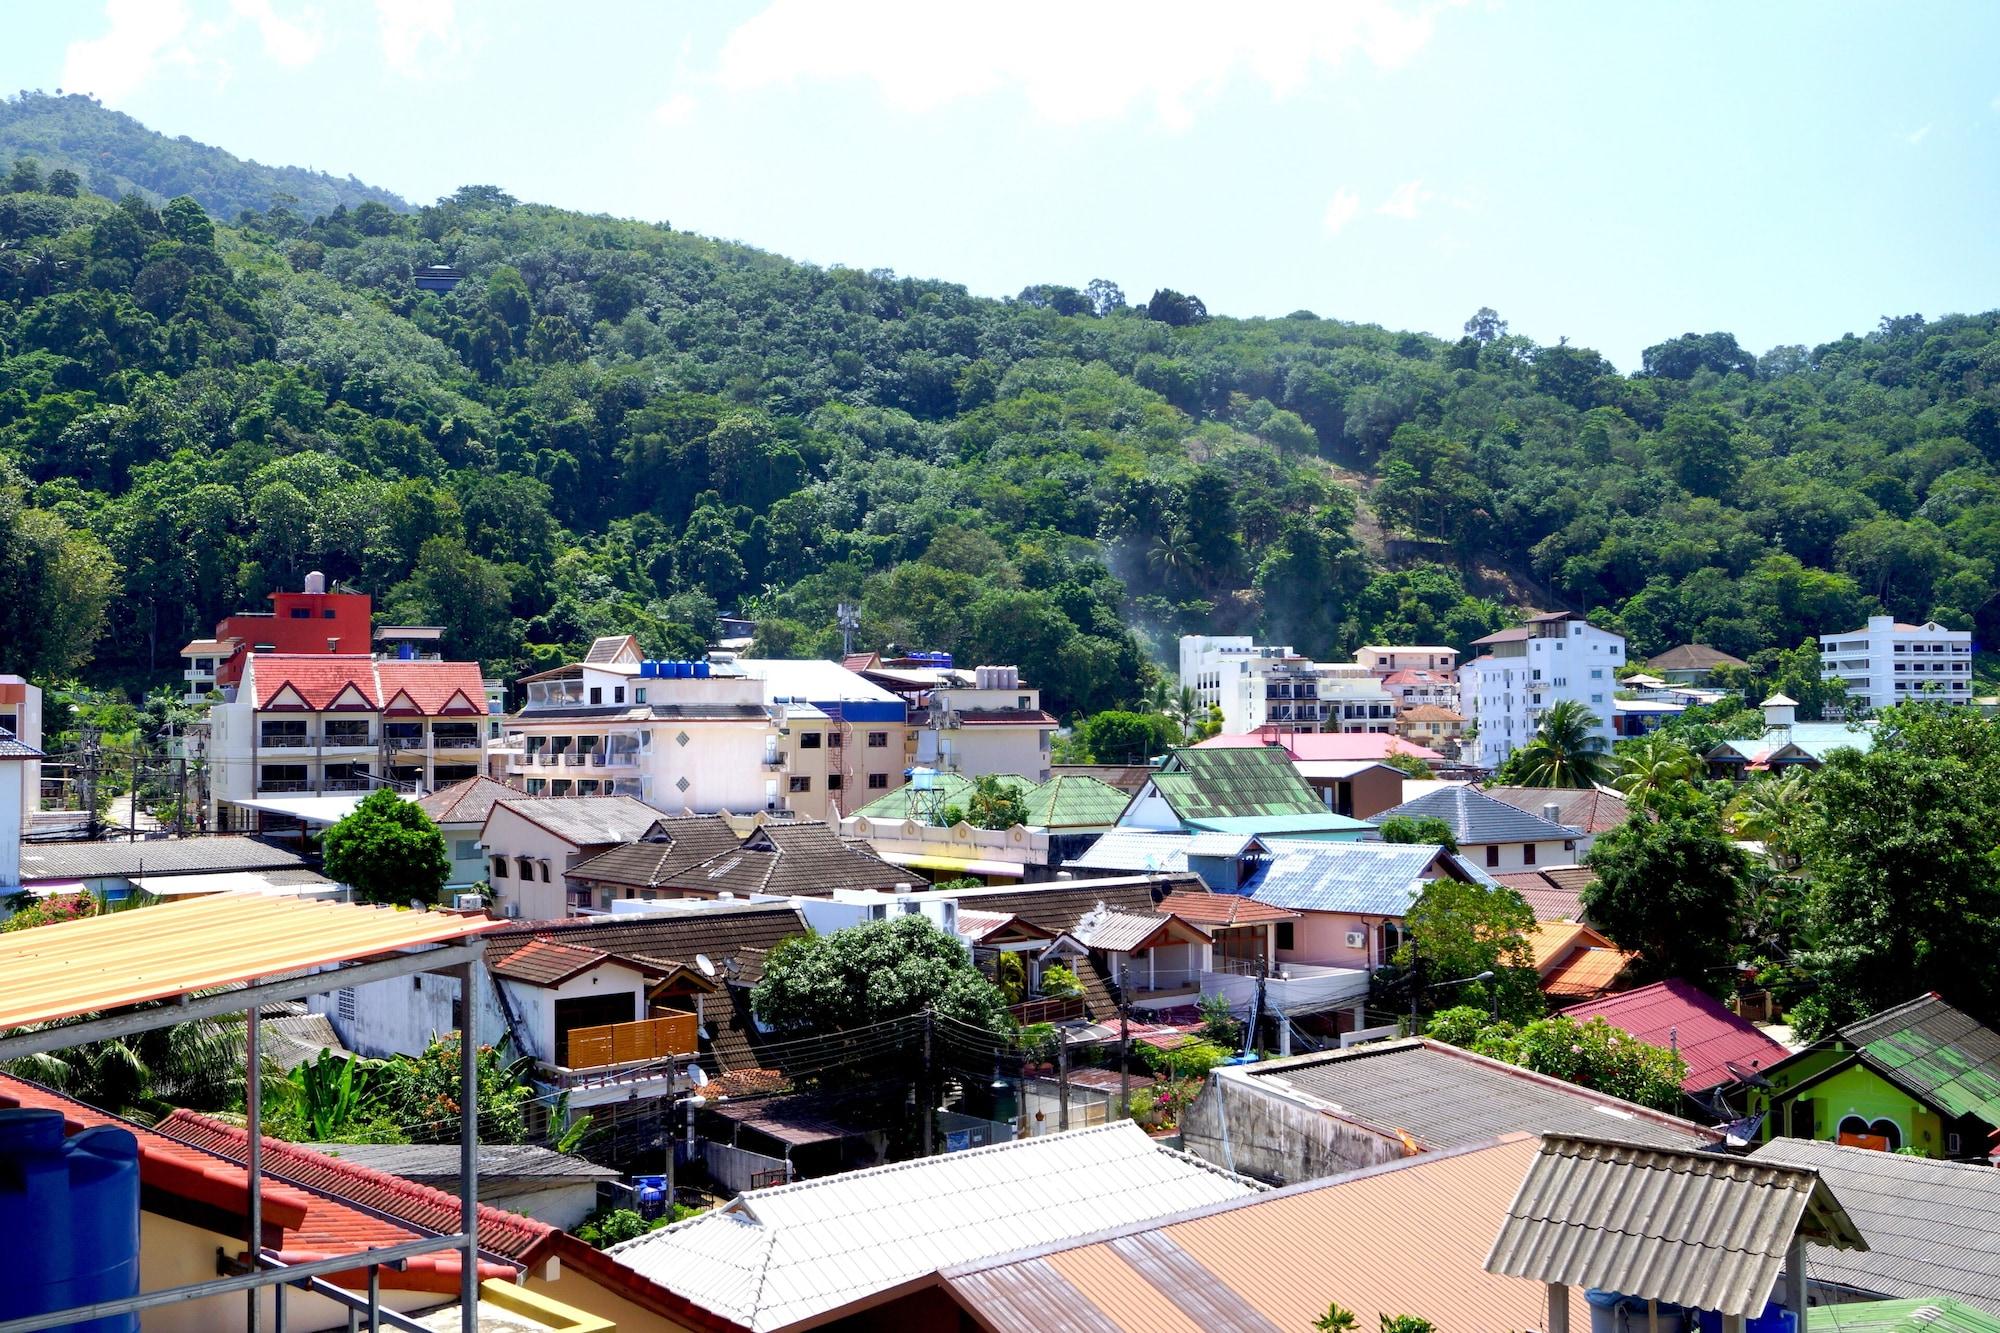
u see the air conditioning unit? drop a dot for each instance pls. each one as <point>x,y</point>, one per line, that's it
<point>512,911</point>
<point>468,902</point>
<point>1357,939</point>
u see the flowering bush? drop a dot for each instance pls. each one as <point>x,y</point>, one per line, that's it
<point>50,911</point>
<point>422,1094</point>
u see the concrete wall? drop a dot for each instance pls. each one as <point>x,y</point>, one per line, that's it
<point>1243,1127</point>
<point>1512,855</point>
<point>468,858</point>
<point>13,781</point>
<point>173,1254</point>
<point>563,1204</point>
<point>1321,937</point>
<point>402,1014</point>
<point>535,1006</point>
<point>510,835</point>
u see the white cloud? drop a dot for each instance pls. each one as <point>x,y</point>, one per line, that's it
<point>677,110</point>
<point>1405,200</point>
<point>1073,63</point>
<point>1340,210</point>
<point>288,43</point>
<point>143,34</point>
<point>1917,136</point>
<point>408,24</point>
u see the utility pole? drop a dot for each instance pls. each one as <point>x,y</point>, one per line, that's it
<point>1062,1081</point>
<point>181,804</point>
<point>928,1099</point>
<point>87,781</point>
<point>1124,1045</point>
<point>132,802</point>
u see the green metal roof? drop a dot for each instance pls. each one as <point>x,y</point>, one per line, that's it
<point>1931,1049</point>
<point>1322,825</point>
<point>1922,1315</point>
<point>906,802</point>
<point>1074,801</point>
<point>1229,783</point>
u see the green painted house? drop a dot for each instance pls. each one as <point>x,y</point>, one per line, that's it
<point>1922,1076</point>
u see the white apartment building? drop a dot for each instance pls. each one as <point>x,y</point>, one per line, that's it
<point>332,724</point>
<point>1257,685</point>
<point>1527,671</point>
<point>1383,661</point>
<point>1886,662</point>
<point>995,724</point>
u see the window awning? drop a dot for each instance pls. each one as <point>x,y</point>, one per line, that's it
<point>955,865</point>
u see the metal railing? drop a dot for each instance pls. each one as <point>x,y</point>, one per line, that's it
<point>348,738</point>
<point>347,784</point>
<point>284,785</point>
<point>396,743</point>
<point>284,740</point>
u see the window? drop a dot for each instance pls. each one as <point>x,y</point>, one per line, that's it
<point>525,867</point>
<point>1492,856</point>
<point>1597,673</point>
<point>798,784</point>
<point>878,782</point>
<point>878,740</point>
<point>326,614</point>
<point>499,867</point>
<point>809,740</point>
<point>343,1004</point>
<point>1021,701</point>
<point>545,871</point>
<point>597,694</point>
<point>833,782</point>
<point>1285,934</point>
<point>1597,698</point>
<point>638,694</point>
<point>301,613</point>
<point>833,740</point>
<point>618,694</point>
<point>1527,853</point>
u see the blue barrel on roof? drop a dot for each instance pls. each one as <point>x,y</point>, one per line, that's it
<point>701,671</point>
<point>648,669</point>
<point>72,1209</point>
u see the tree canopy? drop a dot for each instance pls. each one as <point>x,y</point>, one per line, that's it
<point>870,973</point>
<point>388,851</point>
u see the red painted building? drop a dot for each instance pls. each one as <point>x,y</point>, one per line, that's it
<point>312,621</point>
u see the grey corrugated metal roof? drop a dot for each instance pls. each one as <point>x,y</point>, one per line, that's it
<point>1448,1098</point>
<point>1136,851</point>
<point>437,1163</point>
<point>1690,1228</point>
<point>1944,1056</point>
<point>1477,818</point>
<point>1375,878</point>
<point>586,821</point>
<point>166,856</point>
<point>1933,1228</point>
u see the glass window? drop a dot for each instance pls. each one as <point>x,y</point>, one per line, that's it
<point>801,784</point>
<point>638,694</point>
<point>1527,853</point>
<point>302,613</point>
<point>833,782</point>
<point>878,781</point>
<point>1285,934</point>
<point>1492,857</point>
<point>878,740</point>
<point>809,740</point>
<point>597,694</point>
<point>618,694</point>
<point>499,867</point>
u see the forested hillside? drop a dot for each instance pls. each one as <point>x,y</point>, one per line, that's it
<point>612,425</point>
<point>112,154</point>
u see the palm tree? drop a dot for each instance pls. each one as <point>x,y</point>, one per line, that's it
<point>1772,811</point>
<point>197,1064</point>
<point>1173,554</point>
<point>1185,708</point>
<point>1564,752</point>
<point>1653,767</point>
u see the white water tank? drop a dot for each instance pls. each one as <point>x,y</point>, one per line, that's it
<point>315,582</point>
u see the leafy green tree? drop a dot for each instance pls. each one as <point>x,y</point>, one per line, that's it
<point>1118,737</point>
<point>993,804</point>
<point>56,589</point>
<point>1670,889</point>
<point>1419,828</point>
<point>388,851</point>
<point>1457,930</point>
<point>1905,882</point>
<point>872,973</point>
<point>420,1093</point>
<point>1654,769</point>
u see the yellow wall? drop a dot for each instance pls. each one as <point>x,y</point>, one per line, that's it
<point>173,1254</point>
<point>578,1290</point>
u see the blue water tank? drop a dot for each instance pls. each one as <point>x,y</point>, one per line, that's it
<point>406,652</point>
<point>1775,1319</point>
<point>72,1209</point>
<point>648,669</point>
<point>652,1195</point>
<point>701,671</point>
<point>682,670</point>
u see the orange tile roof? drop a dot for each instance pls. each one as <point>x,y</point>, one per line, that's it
<point>519,1238</point>
<point>1224,909</point>
<point>316,1224</point>
<point>157,953</point>
<point>1586,974</point>
<point>434,686</point>
<point>1265,1262</point>
<point>317,678</point>
<point>1552,941</point>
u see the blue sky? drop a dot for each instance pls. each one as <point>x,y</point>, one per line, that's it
<point>1613,173</point>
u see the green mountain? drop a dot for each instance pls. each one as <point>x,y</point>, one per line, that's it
<point>113,154</point>
<point>611,425</point>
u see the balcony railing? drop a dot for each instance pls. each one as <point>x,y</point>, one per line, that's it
<point>617,1047</point>
<point>348,784</point>
<point>455,740</point>
<point>349,739</point>
<point>397,743</point>
<point>284,785</point>
<point>284,740</point>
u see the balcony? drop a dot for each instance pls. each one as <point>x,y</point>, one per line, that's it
<point>617,1055</point>
<point>284,740</point>
<point>347,784</point>
<point>348,740</point>
<point>283,786</point>
<point>399,744</point>
<point>454,738</point>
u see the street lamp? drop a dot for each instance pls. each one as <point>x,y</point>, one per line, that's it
<point>1466,981</point>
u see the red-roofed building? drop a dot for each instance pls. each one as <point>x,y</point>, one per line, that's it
<point>194,1204</point>
<point>314,621</point>
<point>1679,1014</point>
<point>318,724</point>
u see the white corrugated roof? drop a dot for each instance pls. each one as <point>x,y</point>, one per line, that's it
<point>814,680</point>
<point>775,1256</point>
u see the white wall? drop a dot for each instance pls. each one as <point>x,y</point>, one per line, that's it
<point>12,784</point>
<point>402,1014</point>
<point>1149,810</point>
<point>535,1006</point>
<point>1513,855</point>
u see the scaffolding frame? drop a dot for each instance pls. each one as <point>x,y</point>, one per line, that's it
<point>465,959</point>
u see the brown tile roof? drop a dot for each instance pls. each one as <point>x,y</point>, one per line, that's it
<point>688,840</point>
<point>1693,657</point>
<point>1264,1262</point>
<point>1431,713</point>
<point>468,802</point>
<point>546,963</point>
<point>1223,909</point>
<point>1553,941</point>
<point>1553,892</point>
<point>608,648</point>
<point>807,857</point>
<point>1586,974</point>
<point>1058,906</point>
<point>1588,808</point>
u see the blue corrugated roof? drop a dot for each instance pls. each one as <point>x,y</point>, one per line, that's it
<point>1370,878</point>
<point>13,748</point>
<point>1477,818</point>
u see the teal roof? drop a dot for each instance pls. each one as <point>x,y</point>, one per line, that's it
<point>1814,740</point>
<point>1922,1315</point>
<point>1322,825</point>
<point>1927,1047</point>
<point>1209,784</point>
<point>906,802</point>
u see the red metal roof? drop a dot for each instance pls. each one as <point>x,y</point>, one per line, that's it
<point>519,1238</point>
<point>1676,1012</point>
<point>316,1225</point>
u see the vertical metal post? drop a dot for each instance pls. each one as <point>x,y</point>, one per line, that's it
<point>468,1144</point>
<point>927,1110</point>
<point>1124,1046</point>
<point>132,803</point>
<point>1795,1279</point>
<point>253,1161</point>
<point>374,1298</point>
<point>1558,1308</point>
<point>1062,1081</point>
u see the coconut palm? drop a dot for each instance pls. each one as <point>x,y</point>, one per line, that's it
<point>1772,810</point>
<point>1653,767</point>
<point>197,1064</point>
<point>1185,708</point>
<point>1564,752</point>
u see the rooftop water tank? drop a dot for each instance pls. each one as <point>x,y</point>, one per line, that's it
<point>406,652</point>
<point>648,669</point>
<point>683,670</point>
<point>701,671</point>
<point>315,582</point>
<point>72,1209</point>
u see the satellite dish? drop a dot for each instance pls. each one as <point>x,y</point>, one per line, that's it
<point>701,962</point>
<point>697,1077</point>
